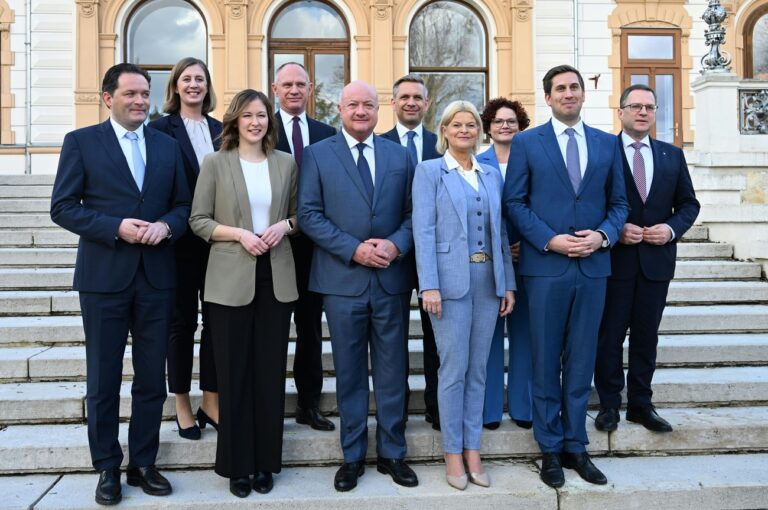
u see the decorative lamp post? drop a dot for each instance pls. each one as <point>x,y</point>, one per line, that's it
<point>715,61</point>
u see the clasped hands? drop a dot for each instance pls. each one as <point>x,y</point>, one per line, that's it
<point>135,231</point>
<point>260,244</point>
<point>579,245</point>
<point>658,234</point>
<point>376,253</point>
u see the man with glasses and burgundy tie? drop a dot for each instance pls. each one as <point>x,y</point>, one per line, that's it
<point>663,207</point>
<point>296,130</point>
<point>565,193</point>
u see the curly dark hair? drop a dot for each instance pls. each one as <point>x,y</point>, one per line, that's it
<point>494,105</point>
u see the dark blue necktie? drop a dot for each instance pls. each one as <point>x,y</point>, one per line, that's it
<point>365,170</point>
<point>411,146</point>
<point>572,162</point>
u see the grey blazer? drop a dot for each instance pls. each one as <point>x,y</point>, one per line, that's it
<point>221,198</point>
<point>440,230</point>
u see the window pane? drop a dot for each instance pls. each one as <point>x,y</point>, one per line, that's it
<point>665,116</point>
<point>309,20</point>
<point>447,34</point>
<point>641,79</point>
<point>760,49</point>
<point>165,31</point>
<point>651,47</point>
<point>329,80</point>
<point>444,88</point>
<point>156,92</point>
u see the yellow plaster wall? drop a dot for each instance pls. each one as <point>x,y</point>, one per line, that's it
<point>7,99</point>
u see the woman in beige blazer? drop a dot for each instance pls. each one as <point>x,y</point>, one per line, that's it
<point>244,205</point>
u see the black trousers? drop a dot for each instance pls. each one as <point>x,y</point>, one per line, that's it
<point>251,350</point>
<point>307,315</point>
<point>637,304</point>
<point>145,312</point>
<point>431,363</point>
<point>191,263</point>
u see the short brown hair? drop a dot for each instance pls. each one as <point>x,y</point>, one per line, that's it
<point>230,135</point>
<point>565,68</point>
<point>494,105</point>
<point>172,101</point>
<point>410,78</point>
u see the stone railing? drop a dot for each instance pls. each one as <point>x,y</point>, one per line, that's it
<point>753,111</point>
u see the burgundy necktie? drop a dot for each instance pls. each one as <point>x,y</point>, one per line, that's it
<point>298,141</point>
<point>638,170</point>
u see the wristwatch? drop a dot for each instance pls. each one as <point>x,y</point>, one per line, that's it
<point>605,244</point>
<point>290,224</point>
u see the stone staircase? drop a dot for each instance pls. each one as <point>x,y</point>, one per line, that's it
<point>712,385</point>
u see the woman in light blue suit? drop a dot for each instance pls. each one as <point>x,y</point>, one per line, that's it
<point>502,119</point>
<point>466,277</point>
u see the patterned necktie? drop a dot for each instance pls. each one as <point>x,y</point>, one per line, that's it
<point>572,162</point>
<point>298,141</point>
<point>365,170</point>
<point>638,170</point>
<point>138,161</point>
<point>411,147</point>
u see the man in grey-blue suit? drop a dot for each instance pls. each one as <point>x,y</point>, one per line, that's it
<point>565,193</point>
<point>355,204</point>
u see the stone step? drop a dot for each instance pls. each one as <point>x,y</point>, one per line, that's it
<point>17,221</point>
<point>27,180</point>
<point>38,257</point>
<point>64,448</point>
<point>25,205</point>
<point>42,402</point>
<point>696,233</point>
<point>26,191</point>
<point>36,278</point>
<point>40,237</point>
<point>694,250</point>
<point>68,363</point>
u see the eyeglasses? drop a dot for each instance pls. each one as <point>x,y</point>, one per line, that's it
<point>636,107</point>
<point>501,122</point>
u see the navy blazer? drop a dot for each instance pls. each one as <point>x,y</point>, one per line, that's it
<point>489,158</point>
<point>540,201</point>
<point>336,213</point>
<point>94,191</point>
<point>428,143</point>
<point>671,200</point>
<point>317,131</point>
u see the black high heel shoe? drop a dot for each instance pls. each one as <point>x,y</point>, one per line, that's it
<point>203,419</point>
<point>193,433</point>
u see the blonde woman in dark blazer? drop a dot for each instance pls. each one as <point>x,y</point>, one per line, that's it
<point>244,205</point>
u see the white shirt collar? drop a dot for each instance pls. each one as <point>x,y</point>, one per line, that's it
<point>452,164</point>
<point>402,130</point>
<point>560,128</point>
<point>627,140</point>
<point>120,131</point>
<point>288,117</point>
<point>352,142</point>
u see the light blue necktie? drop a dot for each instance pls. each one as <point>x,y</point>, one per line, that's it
<point>411,147</point>
<point>572,162</point>
<point>138,161</point>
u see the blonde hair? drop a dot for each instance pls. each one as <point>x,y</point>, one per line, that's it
<point>448,114</point>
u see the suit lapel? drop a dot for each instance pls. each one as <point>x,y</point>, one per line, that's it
<point>659,167</point>
<point>381,156</point>
<point>181,135</point>
<point>214,127</point>
<point>593,148</point>
<point>453,185</point>
<point>490,190</point>
<point>276,182</point>
<point>240,190</point>
<point>115,153</point>
<point>150,141</point>
<point>552,150</point>
<point>339,147</point>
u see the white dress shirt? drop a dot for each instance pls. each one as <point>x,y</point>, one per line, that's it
<point>581,142</point>
<point>200,136</point>
<point>418,140</point>
<point>259,193</point>
<point>288,125</point>
<point>469,175</point>
<point>645,152</point>
<point>125,144</point>
<point>368,152</point>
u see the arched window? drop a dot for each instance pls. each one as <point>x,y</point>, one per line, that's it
<point>448,48</point>
<point>158,34</point>
<point>756,45</point>
<point>315,35</point>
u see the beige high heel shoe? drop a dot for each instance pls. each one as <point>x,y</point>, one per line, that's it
<point>457,482</point>
<point>481,479</point>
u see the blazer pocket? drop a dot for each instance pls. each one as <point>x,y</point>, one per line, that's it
<point>443,247</point>
<point>226,247</point>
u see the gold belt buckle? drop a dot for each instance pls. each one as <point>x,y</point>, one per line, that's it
<point>479,256</point>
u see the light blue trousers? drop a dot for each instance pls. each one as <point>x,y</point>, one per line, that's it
<point>463,336</point>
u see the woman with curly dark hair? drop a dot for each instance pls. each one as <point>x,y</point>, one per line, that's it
<point>502,119</point>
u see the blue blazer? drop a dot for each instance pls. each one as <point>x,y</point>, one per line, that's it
<point>489,158</point>
<point>428,143</point>
<point>94,191</point>
<point>671,200</point>
<point>541,203</point>
<point>336,213</point>
<point>440,230</point>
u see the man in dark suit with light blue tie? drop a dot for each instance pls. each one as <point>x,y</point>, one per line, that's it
<point>122,189</point>
<point>296,130</point>
<point>663,208</point>
<point>410,101</point>
<point>355,204</point>
<point>565,194</point>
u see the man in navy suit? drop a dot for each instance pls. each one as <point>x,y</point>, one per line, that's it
<point>355,204</point>
<point>565,194</point>
<point>122,189</point>
<point>410,101</point>
<point>663,207</point>
<point>296,130</point>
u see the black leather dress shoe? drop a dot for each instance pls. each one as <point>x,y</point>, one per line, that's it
<point>433,417</point>
<point>582,464</point>
<point>108,491</point>
<point>607,419</point>
<point>262,482</point>
<point>149,479</point>
<point>523,424</point>
<point>240,487</point>
<point>192,432</point>
<point>399,471</point>
<point>493,425</point>
<point>648,418</point>
<point>552,470</point>
<point>314,419</point>
<point>347,475</point>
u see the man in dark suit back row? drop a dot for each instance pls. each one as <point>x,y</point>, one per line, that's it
<point>663,207</point>
<point>410,101</point>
